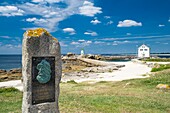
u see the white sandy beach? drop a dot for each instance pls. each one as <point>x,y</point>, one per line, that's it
<point>130,71</point>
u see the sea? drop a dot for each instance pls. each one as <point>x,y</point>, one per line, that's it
<point>8,62</point>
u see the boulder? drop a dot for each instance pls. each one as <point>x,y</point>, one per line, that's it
<point>90,56</point>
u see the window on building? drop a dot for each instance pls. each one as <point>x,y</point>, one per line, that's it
<point>146,50</point>
<point>141,49</point>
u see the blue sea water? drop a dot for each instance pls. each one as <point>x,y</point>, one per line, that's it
<point>8,62</point>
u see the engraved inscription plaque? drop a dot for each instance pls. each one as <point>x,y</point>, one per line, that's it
<point>43,92</point>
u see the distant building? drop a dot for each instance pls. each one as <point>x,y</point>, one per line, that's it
<point>143,51</point>
<point>82,51</point>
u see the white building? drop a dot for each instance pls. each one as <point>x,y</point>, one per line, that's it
<point>143,51</point>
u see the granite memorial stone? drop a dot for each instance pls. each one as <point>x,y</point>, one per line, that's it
<point>41,72</point>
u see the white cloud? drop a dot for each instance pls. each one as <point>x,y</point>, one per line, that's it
<point>88,9</point>
<point>49,11</point>
<point>89,42</point>
<point>18,46</point>
<point>109,23</point>
<point>169,20</point>
<point>92,33</point>
<point>71,31</point>
<point>5,37</point>
<point>37,1</point>
<point>81,43</point>
<point>48,1</point>
<point>37,21</point>
<point>12,46</point>
<point>98,42</point>
<point>75,43</point>
<point>25,29</point>
<point>95,21</point>
<point>136,37</point>
<point>161,25</point>
<point>63,44</point>
<point>10,11</point>
<point>122,42</point>
<point>31,19</point>
<point>81,40</point>
<point>128,34</point>
<point>107,17</point>
<point>165,43</point>
<point>114,44</point>
<point>53,13</point>
<point>128,23</point>
<point>9,45</point>
<point>108,44</point>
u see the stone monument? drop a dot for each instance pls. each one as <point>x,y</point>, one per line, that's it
<point>41,72</point>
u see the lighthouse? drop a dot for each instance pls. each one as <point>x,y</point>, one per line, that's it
<point>82,52</point>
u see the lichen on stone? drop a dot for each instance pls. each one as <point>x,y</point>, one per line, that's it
<point>163,86</point>
<point>37,32</point>
<point>55,39</point>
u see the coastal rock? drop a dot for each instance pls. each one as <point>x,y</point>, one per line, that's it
<point>70,54</point>
<point>2,71</point>
<point>108,58</point>
<point>98,57</point>
<point>90,56</point>
<point>14,71</point>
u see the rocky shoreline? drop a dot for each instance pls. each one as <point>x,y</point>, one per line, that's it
<point>73,65</point>
<point>79,69</point>
<point>12,74</point>
<point>101,57</point>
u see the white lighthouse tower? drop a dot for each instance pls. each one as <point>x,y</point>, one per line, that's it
<point>82,52</point>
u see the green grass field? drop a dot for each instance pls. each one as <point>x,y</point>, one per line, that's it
<point>130,96</point>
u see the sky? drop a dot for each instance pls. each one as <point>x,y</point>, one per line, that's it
<point>97,26</point>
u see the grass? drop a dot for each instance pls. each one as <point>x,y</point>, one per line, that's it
<point>157,60</point>
<point>160,67</point>
<point>10,100</point>
<point>135,96</point>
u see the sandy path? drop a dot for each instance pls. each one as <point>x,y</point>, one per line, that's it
<point>130,71</point>
<point>13,83</point>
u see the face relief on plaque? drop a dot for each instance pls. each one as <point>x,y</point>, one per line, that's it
<point>44,74</point>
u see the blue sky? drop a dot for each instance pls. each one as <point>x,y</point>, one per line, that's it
<point>98,26</point>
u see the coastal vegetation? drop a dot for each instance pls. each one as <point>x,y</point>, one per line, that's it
<point>157,60</point>
<point>160,67</point>
<point>139,95</point>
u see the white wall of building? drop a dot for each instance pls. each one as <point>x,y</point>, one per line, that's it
<point>143,51</point>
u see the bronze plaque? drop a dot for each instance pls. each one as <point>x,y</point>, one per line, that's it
<point>43,91</point>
